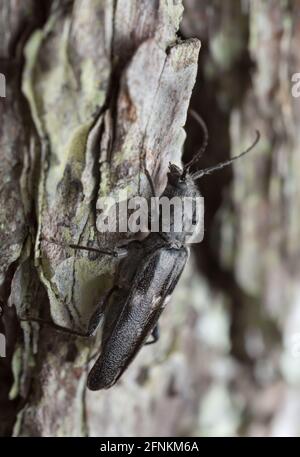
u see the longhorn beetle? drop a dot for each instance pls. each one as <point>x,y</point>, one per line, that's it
<point>145,279</point>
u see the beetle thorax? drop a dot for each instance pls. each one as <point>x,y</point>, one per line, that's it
<point>180,203</point>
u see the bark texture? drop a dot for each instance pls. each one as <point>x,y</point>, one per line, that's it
<point>93,87</point>
<point>104,85</point>
<point>250,255</point>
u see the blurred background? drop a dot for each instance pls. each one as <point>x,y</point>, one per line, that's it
<point>228,360</point>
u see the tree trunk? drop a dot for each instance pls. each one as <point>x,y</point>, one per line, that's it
<point>101,86</point>
<point>93,87</point>
<point>250,254</point>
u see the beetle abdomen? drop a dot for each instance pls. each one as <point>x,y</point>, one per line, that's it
<point>158,273</point>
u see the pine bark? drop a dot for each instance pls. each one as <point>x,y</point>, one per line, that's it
<point>91,88</point>
<point>250,254</point>
<point>96,88</point>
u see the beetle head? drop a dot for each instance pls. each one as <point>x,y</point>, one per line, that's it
<point>176,176</point>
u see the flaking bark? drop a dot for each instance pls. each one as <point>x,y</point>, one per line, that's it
<point>101,86</point>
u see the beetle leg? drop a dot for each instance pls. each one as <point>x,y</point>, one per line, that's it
<point>93,323</point>
<point>150,180</point>
<point>57,327</point>
<point>155,335</point>
<point>118,252</point>
<point>153,192</point>
<point>97,316</point>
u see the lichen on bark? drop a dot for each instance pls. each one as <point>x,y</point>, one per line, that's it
<point>104,85</point>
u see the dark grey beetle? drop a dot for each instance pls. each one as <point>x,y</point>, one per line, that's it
<point>146,277</point>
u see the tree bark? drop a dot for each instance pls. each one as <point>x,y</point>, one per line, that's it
<point>250,254</point>
<point>101,86</point>
<point>92,88</point>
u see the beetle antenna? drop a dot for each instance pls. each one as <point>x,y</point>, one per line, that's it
<point>203,147</point>
<point>83,248</point>
<point>209,170</point>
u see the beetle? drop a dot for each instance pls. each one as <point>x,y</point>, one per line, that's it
<point>146,276</point>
